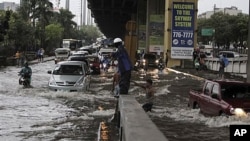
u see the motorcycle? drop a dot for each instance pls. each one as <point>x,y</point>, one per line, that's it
<point>140,64</point>
<point>24,80</point>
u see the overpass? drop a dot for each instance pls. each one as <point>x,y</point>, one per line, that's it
<point>157,26</point>
<point>111,16</point>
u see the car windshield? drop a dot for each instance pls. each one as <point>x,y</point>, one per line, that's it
<point>62,53</point>
<point>235,91</point>
<point>150,56</point>
<point>68,70</point>
<point>79,55</point>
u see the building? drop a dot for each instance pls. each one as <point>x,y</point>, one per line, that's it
<point>227,10</point>
<point>9,6</point>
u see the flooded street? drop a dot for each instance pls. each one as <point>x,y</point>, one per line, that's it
<point>41,114</point>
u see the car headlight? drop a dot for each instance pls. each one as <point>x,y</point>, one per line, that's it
<point>156,61</point>
<point>238,112</point>
<point>52,83</point>
<point>79,82</point>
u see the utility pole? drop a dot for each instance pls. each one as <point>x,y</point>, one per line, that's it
<point>248,45</point>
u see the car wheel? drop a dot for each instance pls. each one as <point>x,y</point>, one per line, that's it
<point>196,106</point>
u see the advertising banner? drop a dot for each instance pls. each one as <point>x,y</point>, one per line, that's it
<point>142,37</point>
<point>182,30</point>
<point>156,33</point>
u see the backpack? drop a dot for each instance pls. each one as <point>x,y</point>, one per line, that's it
<point>226,62</point>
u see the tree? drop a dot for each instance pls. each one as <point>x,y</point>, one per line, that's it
<point>228,28</point>
<point>65,18</point>
<point>89,33</point>
<point>53,34</point>
<point>20,32</point>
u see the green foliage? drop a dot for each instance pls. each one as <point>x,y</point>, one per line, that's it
<point>36,25</point>
<point>53,34</point>
<point>228,29</point>
<point>89,33</point>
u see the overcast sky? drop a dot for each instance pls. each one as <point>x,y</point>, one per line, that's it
<point>203,5</point>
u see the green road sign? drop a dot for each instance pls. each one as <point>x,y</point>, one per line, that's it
<point>207,31</point>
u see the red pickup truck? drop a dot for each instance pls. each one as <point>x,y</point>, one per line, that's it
<point>222,98</point>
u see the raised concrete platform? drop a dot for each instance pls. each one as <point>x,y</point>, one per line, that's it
<point>135,124</point>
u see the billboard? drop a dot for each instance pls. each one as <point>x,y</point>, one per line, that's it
<point>182,30</point>
<point>156,33</point>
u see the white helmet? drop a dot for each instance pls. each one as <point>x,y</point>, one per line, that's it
<point>117,40</point>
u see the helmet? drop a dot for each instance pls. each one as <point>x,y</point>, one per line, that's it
<point>117,40</point>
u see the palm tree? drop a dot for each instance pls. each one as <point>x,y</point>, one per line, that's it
<point>65,18</point>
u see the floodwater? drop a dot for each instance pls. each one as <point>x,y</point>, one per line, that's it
<point>38,113</point>
<point>41,114</point>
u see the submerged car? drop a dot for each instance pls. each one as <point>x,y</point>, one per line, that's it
<point>222,98</point>
<point>151,60</point>
<point>70,76</point>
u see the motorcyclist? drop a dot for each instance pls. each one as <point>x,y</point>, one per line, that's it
<point>26,72</point>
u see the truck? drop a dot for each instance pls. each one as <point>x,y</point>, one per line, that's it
<point>221,97</point>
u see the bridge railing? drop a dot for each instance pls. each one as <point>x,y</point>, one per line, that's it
<point>135,124</point>
<point>236,65</point>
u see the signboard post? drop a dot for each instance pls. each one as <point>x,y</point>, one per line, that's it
<point>207,32</point>
<point>182,30</point>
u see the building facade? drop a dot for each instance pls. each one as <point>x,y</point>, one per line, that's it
<point>227,10</point>
<point>9,6</point>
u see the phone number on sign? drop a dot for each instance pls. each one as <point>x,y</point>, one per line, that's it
<point>183,34</point>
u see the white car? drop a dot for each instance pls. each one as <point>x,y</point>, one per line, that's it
<point>70,76</point>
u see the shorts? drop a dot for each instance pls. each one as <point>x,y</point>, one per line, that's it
<point>147,107</point>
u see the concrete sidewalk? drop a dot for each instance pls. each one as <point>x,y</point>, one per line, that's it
<point>50,58</point>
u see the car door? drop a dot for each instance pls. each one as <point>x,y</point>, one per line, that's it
<point>205,99</point>
<point>214,103</point>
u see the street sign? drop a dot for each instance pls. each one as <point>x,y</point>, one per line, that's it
<point>207,32</point>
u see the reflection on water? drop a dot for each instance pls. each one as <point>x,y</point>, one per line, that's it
<point>103,132</point>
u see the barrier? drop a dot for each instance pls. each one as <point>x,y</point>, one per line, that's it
<point>236,65</point>
<point>135,125</point>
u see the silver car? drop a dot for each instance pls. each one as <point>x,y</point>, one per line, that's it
<point>70,76</point>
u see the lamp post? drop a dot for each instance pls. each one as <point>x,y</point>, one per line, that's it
<point>248,44</point>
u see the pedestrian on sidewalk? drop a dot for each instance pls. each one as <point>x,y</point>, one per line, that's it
<point>17,57</point>
<point>42,54</point>
<point>39,55</point>
<point>150,91</point>
<point>166,59</point>
<point>195,55</point>
<point>223,63</point>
